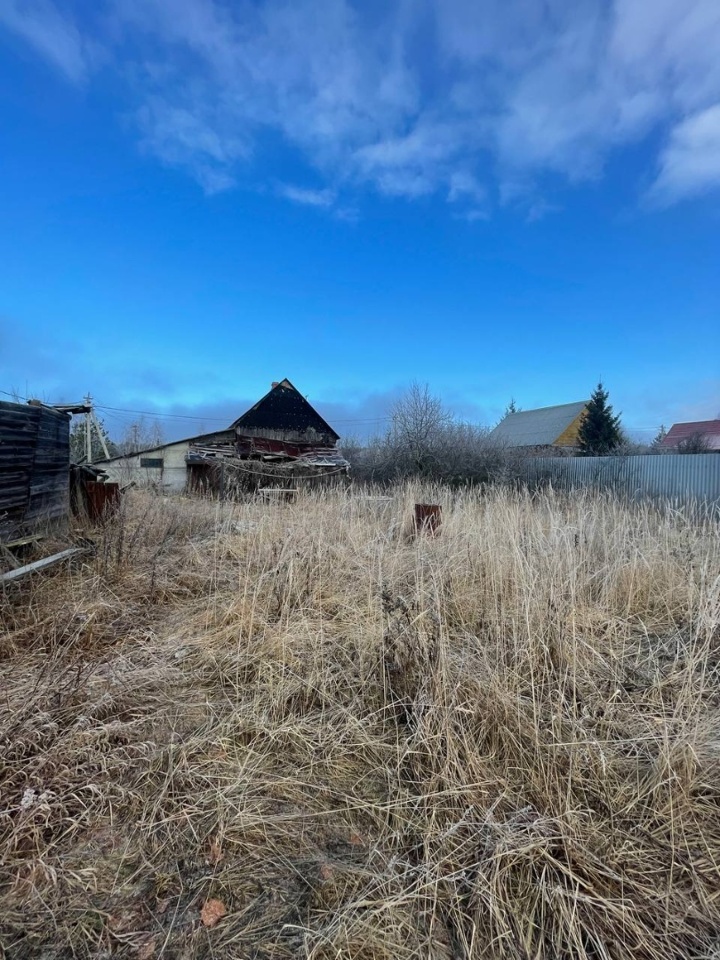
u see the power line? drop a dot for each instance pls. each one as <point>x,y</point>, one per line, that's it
<point>163,416</point>
<point>181,416</point>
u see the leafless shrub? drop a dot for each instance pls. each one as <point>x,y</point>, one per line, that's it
<point>696,443</point>
<point>425,442</point>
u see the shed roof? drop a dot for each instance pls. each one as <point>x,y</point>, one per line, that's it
<point>709,430</point>
<point>217,435</point>
<point>284,408</point>
<point>537,428</point>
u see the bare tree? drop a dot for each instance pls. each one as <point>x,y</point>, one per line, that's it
<point>696,443</point>
<point>425,441</point>
<point>418,421</point>
<point>142,435</point>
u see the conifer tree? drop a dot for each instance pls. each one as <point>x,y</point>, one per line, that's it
<point>661,434</point>
<point>512,407</point>
<point>600,432</point>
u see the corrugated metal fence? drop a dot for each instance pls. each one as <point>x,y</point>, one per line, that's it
<point>683,477</point>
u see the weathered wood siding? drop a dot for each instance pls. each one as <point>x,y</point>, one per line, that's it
<point>34,469</point>
<point>309,436</point>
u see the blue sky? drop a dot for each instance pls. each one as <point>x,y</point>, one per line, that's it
<point>501,200</point>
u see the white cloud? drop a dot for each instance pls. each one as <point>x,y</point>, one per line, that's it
<point>305,196</point>
<point>690,163</point>
<point>412,97</point>
<point>187,137</point>
<point>412,163</point>
<point>463,186</point>
<point>473,214</point>
<point>52,35</point>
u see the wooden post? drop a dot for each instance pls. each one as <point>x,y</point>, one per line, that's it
<point>427,519</point>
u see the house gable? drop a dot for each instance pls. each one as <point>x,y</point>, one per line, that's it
<point>570,437</point>
<point>545,427</point>
<point>284,414</point>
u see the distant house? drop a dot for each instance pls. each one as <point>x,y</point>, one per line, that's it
<point>705,432</point>
<point>282,431</point>
<point>557,427</point>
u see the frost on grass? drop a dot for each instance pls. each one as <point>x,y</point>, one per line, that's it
<point>281,731</point>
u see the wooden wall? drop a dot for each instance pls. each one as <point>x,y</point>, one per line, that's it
<point>571,434</point>
<point>34,469</point>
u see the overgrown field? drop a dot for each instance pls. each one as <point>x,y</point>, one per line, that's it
<point>288,730</point>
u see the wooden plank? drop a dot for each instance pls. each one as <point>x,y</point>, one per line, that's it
<point>23,541</point>
<point>41,564</point>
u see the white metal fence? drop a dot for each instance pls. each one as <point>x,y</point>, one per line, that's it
<point>683,477</point>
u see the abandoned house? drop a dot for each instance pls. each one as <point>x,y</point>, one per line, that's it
<point>279,440</point>
<point>164,467</point>
<point>34,468</point>
<point>557,427</point>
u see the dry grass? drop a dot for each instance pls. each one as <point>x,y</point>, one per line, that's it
<point>500,743</point>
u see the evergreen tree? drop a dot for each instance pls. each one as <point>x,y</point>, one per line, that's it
<point>512,407</point>
<point>661,434</point>
<point>600,432</point>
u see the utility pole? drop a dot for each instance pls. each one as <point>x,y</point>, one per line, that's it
<point>101,435</point>
<point>90,422</point>
<point>88,425</point>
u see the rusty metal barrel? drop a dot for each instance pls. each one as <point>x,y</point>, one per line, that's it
<point>427,519</point>
<point>102,499</point>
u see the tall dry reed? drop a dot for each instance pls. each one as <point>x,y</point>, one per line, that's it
<point>502,742</point>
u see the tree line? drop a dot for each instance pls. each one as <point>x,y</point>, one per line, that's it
<point>425,441</point>
<point>139,435</point>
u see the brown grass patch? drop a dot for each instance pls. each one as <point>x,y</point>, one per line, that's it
<point>503,742</point>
